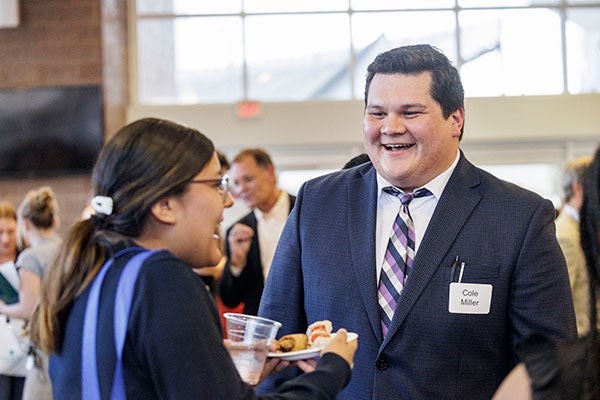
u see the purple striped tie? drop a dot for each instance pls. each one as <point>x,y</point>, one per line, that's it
<point>398,256</point>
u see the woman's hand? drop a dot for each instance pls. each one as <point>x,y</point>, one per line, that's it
<point>274,364</point>
<point>307,365</point>
<point>340,346</point>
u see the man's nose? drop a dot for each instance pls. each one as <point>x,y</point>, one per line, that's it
<point>393,125</point>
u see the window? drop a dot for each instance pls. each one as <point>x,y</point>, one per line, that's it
<point>502,55</point>
<point>583,49</point>
<point>543,179</point>
<point>205,51</point>
<point>296,57</point>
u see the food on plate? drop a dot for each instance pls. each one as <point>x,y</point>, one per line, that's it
<point>293,342</point>
<point>319,333</point>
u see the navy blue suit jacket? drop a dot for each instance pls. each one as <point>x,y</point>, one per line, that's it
<point>324,268</point>
<point>247,287</point>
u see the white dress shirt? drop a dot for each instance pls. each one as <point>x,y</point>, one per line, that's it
<point>269,226</point>
<point>421,210</point>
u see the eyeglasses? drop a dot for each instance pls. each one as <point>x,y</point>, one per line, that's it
<point>221,184</point>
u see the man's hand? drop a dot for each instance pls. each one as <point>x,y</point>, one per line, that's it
<point>239,240</point>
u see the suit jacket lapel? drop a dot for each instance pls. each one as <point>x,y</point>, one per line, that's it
<point>362,209</point>
<point>454,207</point>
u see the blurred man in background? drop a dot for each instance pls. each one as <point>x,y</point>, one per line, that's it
<point>567,232</point>
<point>250,243</point>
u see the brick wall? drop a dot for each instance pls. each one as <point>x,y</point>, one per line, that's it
<point>58,42</point>
<point>61,43</point>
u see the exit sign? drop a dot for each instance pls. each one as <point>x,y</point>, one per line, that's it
<point>248,109</point>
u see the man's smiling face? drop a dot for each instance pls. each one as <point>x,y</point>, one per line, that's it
<point>404,130</point>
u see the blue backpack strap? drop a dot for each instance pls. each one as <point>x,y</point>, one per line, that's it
<point>123,302</point>
<point>90,386</point>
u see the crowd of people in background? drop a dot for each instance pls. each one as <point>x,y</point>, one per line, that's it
<point>37,223</point>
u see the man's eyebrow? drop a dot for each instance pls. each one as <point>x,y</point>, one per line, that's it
<point>402,107</point>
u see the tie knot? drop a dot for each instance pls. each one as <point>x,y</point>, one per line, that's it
<point>406,198</point>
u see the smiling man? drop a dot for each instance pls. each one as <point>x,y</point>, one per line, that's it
<point>440,268</point>
<point>251,241</point>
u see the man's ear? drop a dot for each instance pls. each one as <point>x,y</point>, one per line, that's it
<point>458,120</point>
<point>272,174</point>
<point>577,188</point>
<point>164,210</point>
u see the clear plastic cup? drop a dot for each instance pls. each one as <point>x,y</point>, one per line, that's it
<point>249,340</point>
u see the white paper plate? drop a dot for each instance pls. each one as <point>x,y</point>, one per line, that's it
<point>306,353</point>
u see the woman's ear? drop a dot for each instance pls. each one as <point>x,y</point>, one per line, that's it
<point>26,225</point>
<point>56,222</point>
<point>164,210</point>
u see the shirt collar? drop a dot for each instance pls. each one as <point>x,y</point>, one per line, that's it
<point>435,186</point>
<point>281,207</point>
<point>572,211</point>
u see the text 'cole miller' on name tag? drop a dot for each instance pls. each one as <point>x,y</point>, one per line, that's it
<point>470,298</point>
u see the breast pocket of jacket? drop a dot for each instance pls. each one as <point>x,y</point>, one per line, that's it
<point>471,289</point>
<point>476,272</point>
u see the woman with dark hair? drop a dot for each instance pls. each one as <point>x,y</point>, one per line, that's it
<point>157,186</point>
<point>569,370</point>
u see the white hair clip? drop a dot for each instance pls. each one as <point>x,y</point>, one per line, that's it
<point>102,205</point>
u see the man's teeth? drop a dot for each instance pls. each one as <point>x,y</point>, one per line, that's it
<point>397,146</point>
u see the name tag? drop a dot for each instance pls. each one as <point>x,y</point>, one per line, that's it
<point>470,298</point>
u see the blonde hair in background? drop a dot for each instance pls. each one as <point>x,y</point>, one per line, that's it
<point>38,207</point>
<point>7,210</point>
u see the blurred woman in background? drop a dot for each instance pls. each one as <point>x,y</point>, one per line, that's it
<point>37,226</point>
<point>212,275</point>
<point>11,387</point>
